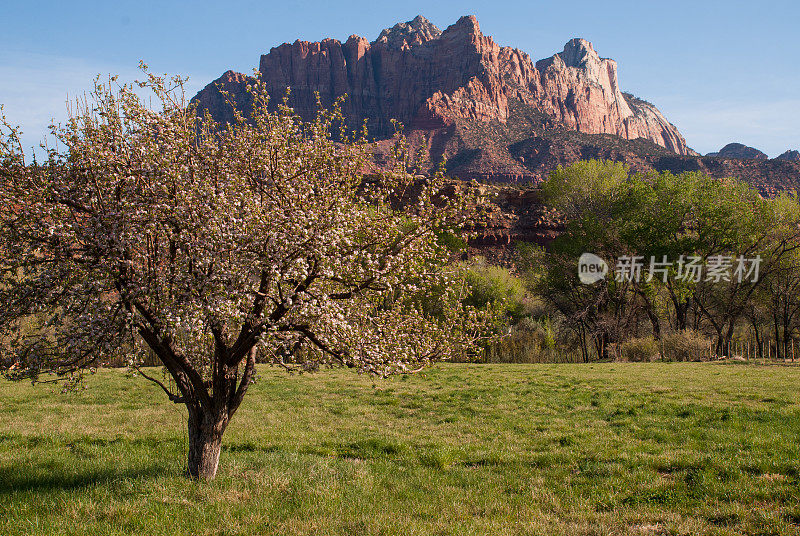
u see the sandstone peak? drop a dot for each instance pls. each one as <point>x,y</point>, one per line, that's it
<point>578,52</point>
<point>232,77</point>
<point>444,85</point>
<point>416,31</point>
<point>466,29</point>
<point>469,23</point>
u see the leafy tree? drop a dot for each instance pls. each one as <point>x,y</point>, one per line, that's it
<point>599,200</point>
<point>729,218</point>
<point>776,300</point>
<point>613,213</point>
<point>216,244</point>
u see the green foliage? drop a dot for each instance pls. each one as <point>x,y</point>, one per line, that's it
<point>585,183</point>
<point>534,341</point>
<point>549,334</point>
<point>450,240</point>
<point>614,213</point>
<point>530,260</point>
<point>497,286</point>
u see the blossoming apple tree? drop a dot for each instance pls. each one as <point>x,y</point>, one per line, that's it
<point>215,245</point>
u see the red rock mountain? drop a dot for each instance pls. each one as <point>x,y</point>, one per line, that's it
<point>430,79</point>
<point>489,111</point>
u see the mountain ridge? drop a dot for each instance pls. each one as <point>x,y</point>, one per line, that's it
<point>429,78</point>
<point>489,111</point>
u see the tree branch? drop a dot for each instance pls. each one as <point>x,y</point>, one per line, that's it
<point>244,384</point>
<point>172,396</point>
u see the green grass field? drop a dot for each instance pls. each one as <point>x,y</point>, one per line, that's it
<point>683,448</point>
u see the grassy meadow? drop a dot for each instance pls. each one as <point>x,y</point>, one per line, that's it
<point>611,448</point>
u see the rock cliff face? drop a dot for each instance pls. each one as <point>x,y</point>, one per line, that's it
<point>489,111</point>
<point>212,99</point>
<point>432,80</point>
<point>588,99</point>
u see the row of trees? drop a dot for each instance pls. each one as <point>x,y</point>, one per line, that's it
<point>725,261</point>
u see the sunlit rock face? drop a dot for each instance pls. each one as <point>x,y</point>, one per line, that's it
<point>430,79</point>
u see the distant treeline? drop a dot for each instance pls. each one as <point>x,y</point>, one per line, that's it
<point>685,267</point>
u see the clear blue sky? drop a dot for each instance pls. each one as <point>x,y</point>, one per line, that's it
<point>721,71</point>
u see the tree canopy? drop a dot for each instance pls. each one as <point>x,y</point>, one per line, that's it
<point>666,222</point>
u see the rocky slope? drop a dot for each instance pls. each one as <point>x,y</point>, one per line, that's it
<point>791,156</point>
<point>739,150</point>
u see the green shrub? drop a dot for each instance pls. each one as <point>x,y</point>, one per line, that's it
<point>498,286</point>
<point>537,308</point>
<point>453,242</point>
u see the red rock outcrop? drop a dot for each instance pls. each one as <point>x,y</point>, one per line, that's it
<point>430,79</point>
<point>215,101</point>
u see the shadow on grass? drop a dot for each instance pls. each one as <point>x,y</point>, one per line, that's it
<point>15,480</point>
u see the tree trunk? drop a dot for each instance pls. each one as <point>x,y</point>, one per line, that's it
<point>584,346</point>
<point>786,330</point>
<point>599,345</point>
<point>759,349</point>
<point>604,342</point>
<point>681,311</point>
<point>727,348</point>
<point>776,326</point>
<point>205,443</point>
<point>656,323</point>
<point>718,340</point>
